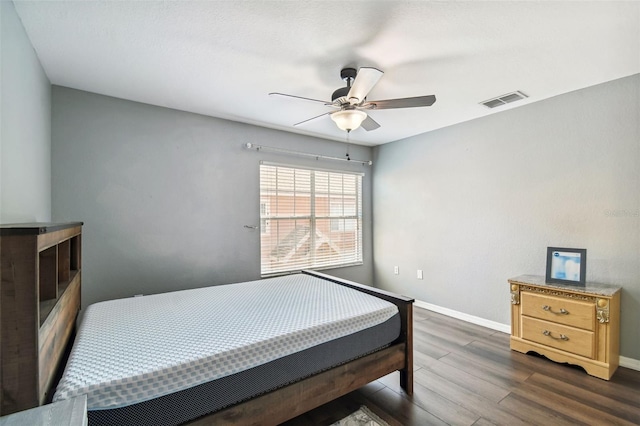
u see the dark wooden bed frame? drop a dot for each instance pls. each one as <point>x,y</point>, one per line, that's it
<point>290,401</point>
<point>39,302</point>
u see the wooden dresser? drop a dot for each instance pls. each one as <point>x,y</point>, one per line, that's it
<point>574,324</point>
<point>39,301</point>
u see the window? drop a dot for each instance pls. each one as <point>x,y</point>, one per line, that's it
<point>309,219</point>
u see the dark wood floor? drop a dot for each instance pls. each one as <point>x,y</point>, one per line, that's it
<point>466,375</point>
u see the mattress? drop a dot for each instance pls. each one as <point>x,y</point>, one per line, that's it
<point>131,352</point>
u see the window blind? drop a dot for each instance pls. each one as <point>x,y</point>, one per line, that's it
<point>309,219</point>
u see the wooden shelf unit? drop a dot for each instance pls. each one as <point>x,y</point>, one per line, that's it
<point>39,301</point>
<point>578,325</point>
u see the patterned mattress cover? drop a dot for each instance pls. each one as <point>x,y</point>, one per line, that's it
<point>132,350</point>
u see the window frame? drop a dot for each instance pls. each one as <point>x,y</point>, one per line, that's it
<point>313,217</point>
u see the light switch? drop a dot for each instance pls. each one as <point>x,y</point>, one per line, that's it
<point>396,270</point>
<point>419,274</point>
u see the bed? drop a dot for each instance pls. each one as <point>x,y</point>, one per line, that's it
<point>258,352</point>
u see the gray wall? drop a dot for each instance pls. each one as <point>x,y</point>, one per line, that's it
<point>165,194</point>
<point>477,203</point>
<point>25,110</point>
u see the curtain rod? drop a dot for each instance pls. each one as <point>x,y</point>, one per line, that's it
<point>249,145</point>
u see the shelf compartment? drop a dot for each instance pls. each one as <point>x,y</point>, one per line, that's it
<point>48,260</point>
<point>75,247</point>
<point>64,261</point>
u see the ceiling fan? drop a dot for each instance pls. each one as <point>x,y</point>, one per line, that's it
<point>351,104</point>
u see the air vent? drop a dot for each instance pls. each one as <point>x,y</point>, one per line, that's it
<point>504,99</point>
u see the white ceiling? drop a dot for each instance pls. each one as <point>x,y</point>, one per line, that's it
<point>222,58</point>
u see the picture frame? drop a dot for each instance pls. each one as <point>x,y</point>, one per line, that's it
<point>566,265</point>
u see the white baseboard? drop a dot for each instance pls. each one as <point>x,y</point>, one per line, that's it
<point>633,364</point>
<point>505,328</point>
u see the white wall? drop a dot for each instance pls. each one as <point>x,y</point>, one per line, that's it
<point>25,110</point>
<point>165,194</point>
<point>479,202</point>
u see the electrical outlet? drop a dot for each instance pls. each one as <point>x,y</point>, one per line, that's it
<point>396,270</point>
<point>419,274</point>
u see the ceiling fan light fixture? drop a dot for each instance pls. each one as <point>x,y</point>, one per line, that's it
<point>348,119</point>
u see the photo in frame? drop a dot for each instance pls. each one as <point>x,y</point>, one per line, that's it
<point>566,265</point>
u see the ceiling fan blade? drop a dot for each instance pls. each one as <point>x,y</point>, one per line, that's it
<point>362,85</point>
<point>369,124</point>
<point>418,101</point>
<point>313,118</point>
<point>300,97</point>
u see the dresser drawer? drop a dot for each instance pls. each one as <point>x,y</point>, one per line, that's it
<point>547,333</point>
<point>575,313</point>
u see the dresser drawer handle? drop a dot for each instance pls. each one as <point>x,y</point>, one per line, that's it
<point>562,336</point>
<point>563,311</point>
